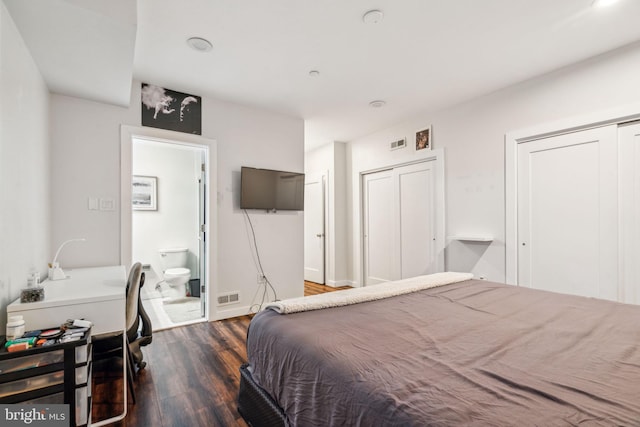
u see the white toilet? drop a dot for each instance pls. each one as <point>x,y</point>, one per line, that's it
<point>175,271</point>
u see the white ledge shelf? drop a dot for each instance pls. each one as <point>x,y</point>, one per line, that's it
<point>472,238</point>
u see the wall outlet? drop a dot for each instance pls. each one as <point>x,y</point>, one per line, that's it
<point>261,280</point>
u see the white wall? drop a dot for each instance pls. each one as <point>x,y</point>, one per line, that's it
<point>472,134</point>
<point>86,163</point>
<point>340,218</point>
<point>24,166</point>
<point>330,159</point>
<point>175,223</point>
<point>255,138</point>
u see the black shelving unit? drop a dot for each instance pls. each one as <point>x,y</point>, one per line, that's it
<point>59,373</point>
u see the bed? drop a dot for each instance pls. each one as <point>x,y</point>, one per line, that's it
<point>468,352</point>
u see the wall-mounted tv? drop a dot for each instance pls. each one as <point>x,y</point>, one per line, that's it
<point>271,189</point>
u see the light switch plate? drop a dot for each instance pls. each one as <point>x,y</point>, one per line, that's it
<point>93,203</point>
<point>107,205</point>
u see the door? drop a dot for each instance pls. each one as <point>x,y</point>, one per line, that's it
<point>567,213</point>
<point>629,147</point>
<point>399,221</point>
<point>378,213</point>
<point>415,219</point>
<point>314,233</point>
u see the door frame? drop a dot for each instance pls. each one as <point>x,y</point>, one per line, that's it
<point>617,116</point>
<point>127,134</point>
<point>438,157</point>
<point>203,210</point>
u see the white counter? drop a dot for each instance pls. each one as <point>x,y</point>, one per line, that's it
<point>96,294</point>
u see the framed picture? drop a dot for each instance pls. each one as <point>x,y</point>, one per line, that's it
<point>167,109</point>
<point>144,193</point>
<point>423,139</point>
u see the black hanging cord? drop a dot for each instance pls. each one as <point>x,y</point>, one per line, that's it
<point>264,276</point>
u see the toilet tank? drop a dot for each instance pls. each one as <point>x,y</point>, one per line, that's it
<point>173,258</point>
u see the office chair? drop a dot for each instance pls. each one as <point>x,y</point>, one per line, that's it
<point>109,345</point>
<point>139,336</point>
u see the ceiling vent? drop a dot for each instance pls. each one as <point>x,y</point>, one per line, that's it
<point>401,143</point>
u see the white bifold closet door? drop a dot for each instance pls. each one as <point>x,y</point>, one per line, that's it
<point>378,220</point>
<point>629,154</point>
<point>399,223</point>
<point>568,213</point>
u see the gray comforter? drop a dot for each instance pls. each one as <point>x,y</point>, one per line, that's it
<point>471,353</point>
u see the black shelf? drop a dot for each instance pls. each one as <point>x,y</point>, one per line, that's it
<point>33,394</point>
<point>51,385</point>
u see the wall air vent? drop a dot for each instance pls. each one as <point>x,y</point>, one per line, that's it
<point>401,143</point>
<point>230,298</point>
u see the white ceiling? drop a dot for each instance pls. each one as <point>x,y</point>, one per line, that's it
<point>425,55</point>
<point>83,48</point>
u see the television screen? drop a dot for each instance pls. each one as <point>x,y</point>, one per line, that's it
<point>270,189</point>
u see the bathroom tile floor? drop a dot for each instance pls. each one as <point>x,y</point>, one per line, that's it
<point>154,304</point>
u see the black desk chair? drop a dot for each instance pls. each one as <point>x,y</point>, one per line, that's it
<point>138,335</point>
<point>109,345</point>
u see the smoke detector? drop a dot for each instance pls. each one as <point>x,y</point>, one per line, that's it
<point>200,44</point>
<point>374,16</point>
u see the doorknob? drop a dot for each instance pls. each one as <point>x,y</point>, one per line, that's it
<point>320,235</point>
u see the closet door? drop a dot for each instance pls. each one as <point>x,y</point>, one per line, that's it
<point>378,220</point>
<point>568,213</point>
<point>415,224</point>
<point>399,223</point>
<point>629,146</point>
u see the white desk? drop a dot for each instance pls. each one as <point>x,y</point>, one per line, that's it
<point>96,294</point>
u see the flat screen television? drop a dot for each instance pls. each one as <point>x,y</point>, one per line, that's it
<point>271,189</point>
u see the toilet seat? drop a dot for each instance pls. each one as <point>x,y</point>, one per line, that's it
<point>177,272</point>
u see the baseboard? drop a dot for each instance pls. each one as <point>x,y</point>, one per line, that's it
<point>232,312</point>
<point>339,283</point>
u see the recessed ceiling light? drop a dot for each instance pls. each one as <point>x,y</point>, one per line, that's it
<point>603,3</point>
<point>377,104</point>
<point>373,17</point>
<point>200,44</point>
<point>314,73</point>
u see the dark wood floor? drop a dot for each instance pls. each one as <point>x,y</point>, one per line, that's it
<point>191,379</point>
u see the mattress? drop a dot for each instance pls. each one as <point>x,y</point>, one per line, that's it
<point>469,353</point>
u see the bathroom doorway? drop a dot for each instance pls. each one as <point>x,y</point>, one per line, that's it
<point>168,229</point>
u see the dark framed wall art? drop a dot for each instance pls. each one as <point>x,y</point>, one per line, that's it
<point>167,109</point>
